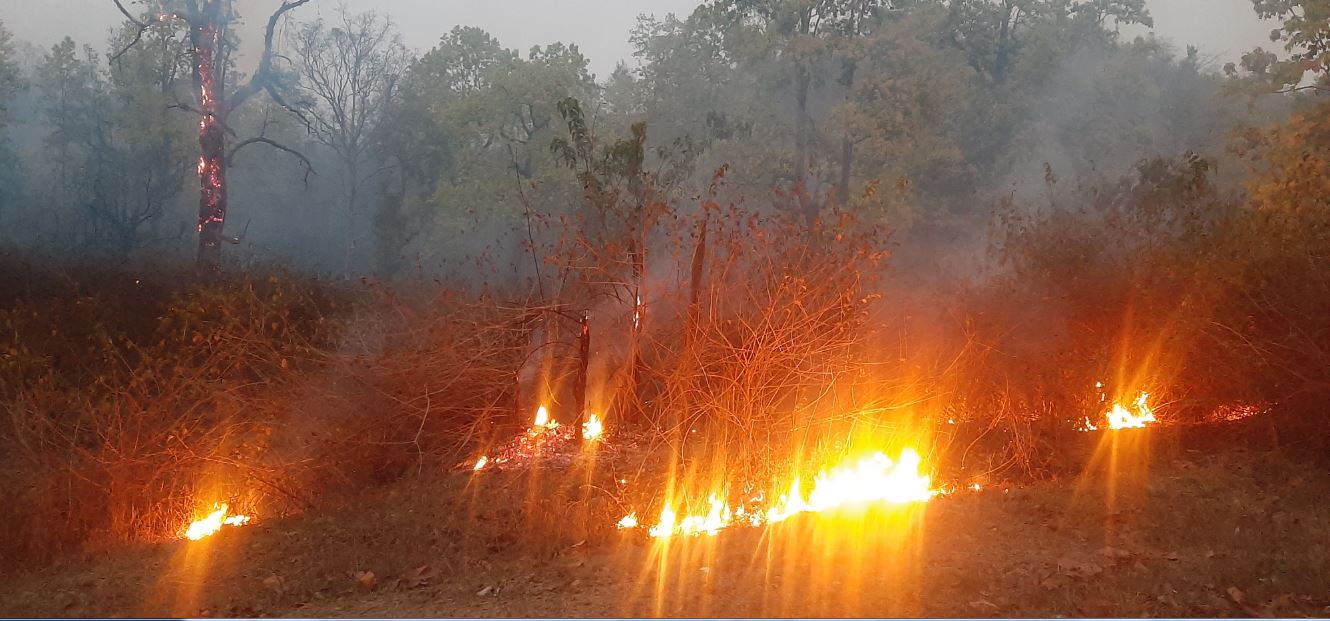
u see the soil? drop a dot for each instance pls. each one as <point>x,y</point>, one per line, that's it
<point>1228,533</point>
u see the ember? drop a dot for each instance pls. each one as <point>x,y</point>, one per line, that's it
<point>545,439</point>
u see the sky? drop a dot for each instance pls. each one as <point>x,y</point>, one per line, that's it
<point>1222,29</point>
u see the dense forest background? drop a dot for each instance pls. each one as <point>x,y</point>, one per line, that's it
<point>965,224</point>
<point>919,115</point>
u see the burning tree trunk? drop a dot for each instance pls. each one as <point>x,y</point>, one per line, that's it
<point>583,363</point>
<point>209,50</point>
<point>204,39</point>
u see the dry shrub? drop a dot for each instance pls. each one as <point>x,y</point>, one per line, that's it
<point>439,375</point>
<point>1157,283</point>
<point>132,399</point>
<point>762,359</point>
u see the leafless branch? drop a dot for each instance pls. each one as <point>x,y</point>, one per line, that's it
<point>262,77</point>
<point>281,101</point>
<point>1308,87</point>
<point>239,238</point>
<point>142,28</point>
<point>309,167</point>
<point>129,16</point>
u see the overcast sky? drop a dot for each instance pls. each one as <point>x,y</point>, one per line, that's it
<point>1221,28</point>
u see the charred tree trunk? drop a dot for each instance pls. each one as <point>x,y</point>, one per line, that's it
<point>204,37</point>
<point>208,20</point>
<point>583,363</point>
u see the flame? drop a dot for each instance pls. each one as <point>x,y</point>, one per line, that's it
<point>593,428</point>
<point>480,463</point>
<point>875,478</point>
<point>871,479</point>
<point>1122,418</point>
<point>543,418</point>
<point>213,523</point>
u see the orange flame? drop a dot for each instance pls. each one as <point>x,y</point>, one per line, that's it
<point>1122,418</point>
<point>542,417</point>
<point>213,523</point>
<point>871,479</point>
<point>593,428</point>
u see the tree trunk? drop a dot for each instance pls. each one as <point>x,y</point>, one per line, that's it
<point>580,384</point>
<point>846,145</point>
<point>204,36</point>
<point>801,140</point>
<point>352,195</point>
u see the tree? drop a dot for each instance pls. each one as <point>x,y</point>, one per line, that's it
<point>469,135</point>
<point>210,46</point>
<point>74,104</point>
<point>1305,32</point>
<point>349,75</point>
<point>116,158</point>
<point>11,83</point>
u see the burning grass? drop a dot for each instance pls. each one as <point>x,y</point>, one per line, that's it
<point>758,368</point>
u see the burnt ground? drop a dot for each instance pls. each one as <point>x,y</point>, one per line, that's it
<point>1236,532</point>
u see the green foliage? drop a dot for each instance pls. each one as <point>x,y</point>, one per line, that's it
<point>1304,30</point>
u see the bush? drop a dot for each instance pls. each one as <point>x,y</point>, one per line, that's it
<point>135,399</point>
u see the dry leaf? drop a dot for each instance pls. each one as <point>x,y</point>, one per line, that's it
<point>421,576</point>
<point>367,580</point>
<point>983,604</point>
<point>275,584</point>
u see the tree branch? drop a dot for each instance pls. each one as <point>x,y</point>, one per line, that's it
<point>263,75</point>
<point>129,16</point>
<point>309,167</point>
<point>161,18</point>
<point>1308,87</point>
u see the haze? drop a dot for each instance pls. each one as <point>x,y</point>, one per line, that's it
<point>1222,29</point>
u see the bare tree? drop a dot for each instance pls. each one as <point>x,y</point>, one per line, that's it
<point>210,47</point>
<point>349,74</point>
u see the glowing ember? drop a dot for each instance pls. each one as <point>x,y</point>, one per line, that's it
<point>213,523</point>
<point>874,479</point>
<point>1122,418</point>
<point>1238,412</point>
<point>593,428</point>
<point>480,463</point>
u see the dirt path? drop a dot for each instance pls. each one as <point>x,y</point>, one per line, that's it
<point>1241,534</point>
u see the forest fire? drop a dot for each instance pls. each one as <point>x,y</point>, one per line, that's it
<point>1122,418</point>
<point>874,479</point>
<point>213,523</point>
<point>546,438</point>
<point>593,429</point>
<point>1136,416</point>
